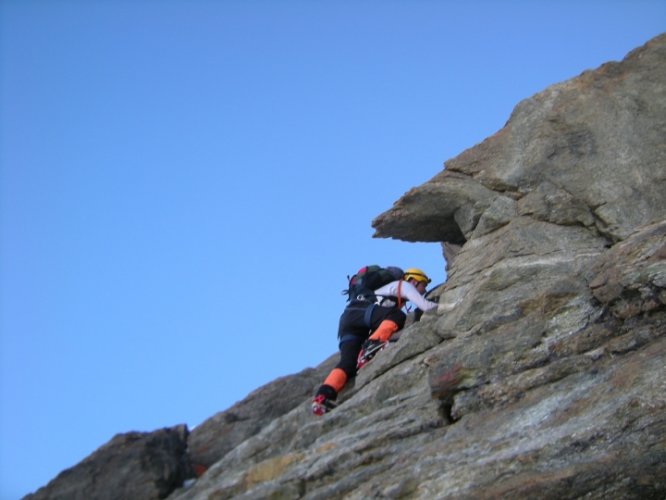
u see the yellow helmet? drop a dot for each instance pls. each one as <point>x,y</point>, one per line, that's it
<point>416,274</point>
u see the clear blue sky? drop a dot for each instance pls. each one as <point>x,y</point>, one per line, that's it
<point>186,184</point>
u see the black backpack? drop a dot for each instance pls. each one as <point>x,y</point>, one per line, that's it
<point>363,284</point>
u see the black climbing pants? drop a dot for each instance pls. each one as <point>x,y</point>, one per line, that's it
<point>357,322</point>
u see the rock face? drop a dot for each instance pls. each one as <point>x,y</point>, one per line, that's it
<point>221,433</point>
<point>542,374</point>
<point>132,465</point>
<point>588,152</point>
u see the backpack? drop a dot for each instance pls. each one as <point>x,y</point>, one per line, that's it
<point>363,284</point>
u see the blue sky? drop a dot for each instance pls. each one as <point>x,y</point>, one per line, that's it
<point>184,186</point>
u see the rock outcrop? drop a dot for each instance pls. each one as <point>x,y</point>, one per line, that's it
<point>132,465</point>
<point>221,433</point>
<point>542,374</point>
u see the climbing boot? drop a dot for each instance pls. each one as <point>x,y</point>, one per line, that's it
<point>324,400</point>
<point>368,351</point>
<point>321,404</point>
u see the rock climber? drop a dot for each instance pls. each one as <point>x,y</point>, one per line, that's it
<point>365,328</point>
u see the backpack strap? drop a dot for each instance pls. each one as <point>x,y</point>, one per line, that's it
<point>367,316</point>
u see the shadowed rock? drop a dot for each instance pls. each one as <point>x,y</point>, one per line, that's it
<point>135,465</point>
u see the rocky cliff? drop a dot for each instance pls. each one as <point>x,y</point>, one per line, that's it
<point>542,373</point>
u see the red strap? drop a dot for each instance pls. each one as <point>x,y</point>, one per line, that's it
<point>400,294</point>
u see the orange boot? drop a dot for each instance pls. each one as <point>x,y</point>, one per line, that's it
<point>324,400</point>
<point>384,331</point>
<point>376,342</point>
<point>336,379</point>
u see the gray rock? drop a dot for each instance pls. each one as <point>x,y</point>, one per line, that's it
<point>222,432</point>
<point>134,465</point>
<point>631,277</point>
<point>597,139</point>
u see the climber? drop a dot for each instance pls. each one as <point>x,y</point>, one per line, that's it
<point>365,328</point>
